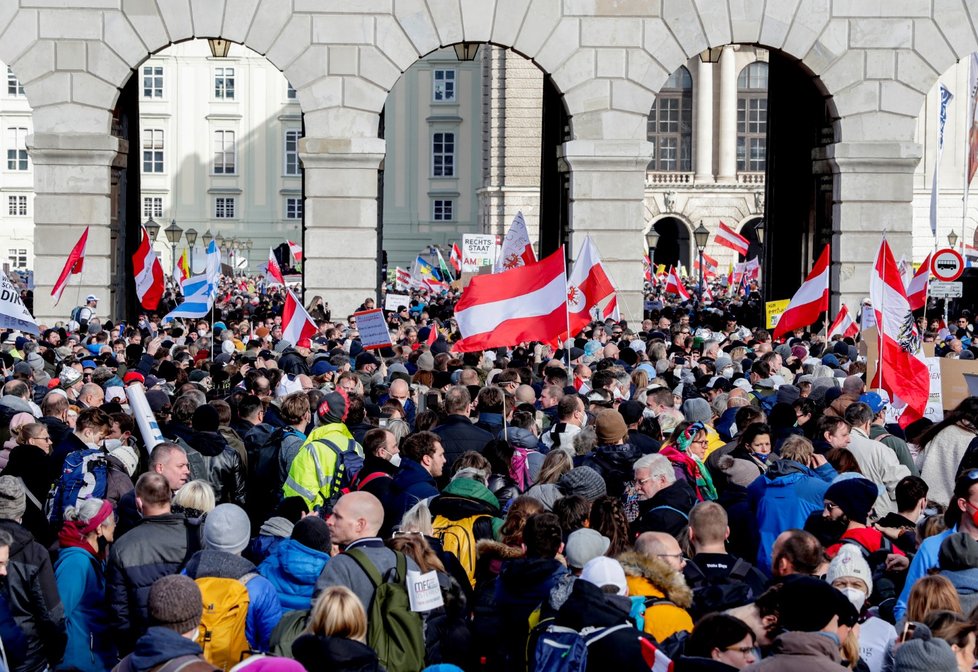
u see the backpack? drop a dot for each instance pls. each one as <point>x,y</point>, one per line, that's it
<point>85,475</point>
<point>222,625</point>
<point>640,603</point>
<point>560,649</point>
<point>349,462</point>
<point>718,593</point>
<point>290,628</point>
<point>76,314</point>
<point>393,630</point>
<point>458,537</point>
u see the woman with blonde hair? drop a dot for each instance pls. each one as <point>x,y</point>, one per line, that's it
<point>931,593</point>
<point>557,463</point>
<point>336,635</point>
<point>195,499</point>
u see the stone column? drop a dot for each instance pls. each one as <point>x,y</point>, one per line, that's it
<point>72,186</point>
<point>341,220</point>
<point>703,136</point>
<point>607,196</point>
<point>873,192</point>
<point>727,172</point>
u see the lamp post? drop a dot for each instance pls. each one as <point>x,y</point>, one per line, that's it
<point>759,232</point>
<point>153,229</point>
<point>952,239</point>
<point>191,235</point>
<point>248,244</point>
<point>207,238</point>
<point>173,233</point>
<point>701,234</point>
<point>651,241</point>
<point>466,51</point>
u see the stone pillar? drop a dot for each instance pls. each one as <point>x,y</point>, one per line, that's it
<point>607,196</point>
<point>703,136</point>
<point>340,241</point>
<point>72,186</point>
<point>727,173</point>
<point>873,192</point>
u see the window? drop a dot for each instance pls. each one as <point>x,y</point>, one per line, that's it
<point>292,152</point>
<point>153,150</point>
<point>293,208</point>
<point>291,93</point>
<point>224,207</point>
<point>670,128</point>
<point>16,149</point>
<point>443,155</point>
<point>153,81</point>
<point>224,83</point>
<point>17,206</point>
<point>442,210</point>
<point>752,118</point>
<point>17,257</point>
<point>152,207</point>
<point>223,152</point>
<point>14,87</point>
<point>443,88</point>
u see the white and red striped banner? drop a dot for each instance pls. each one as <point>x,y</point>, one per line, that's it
<point>811,299</point>
<point>674,285</point>
<point>843,325</point>
<point>148,270</point>
<point>730,238</point>
<point>296,322</point>
<point>917,287</point>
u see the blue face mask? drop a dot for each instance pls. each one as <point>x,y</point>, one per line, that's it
<point>761,456</point>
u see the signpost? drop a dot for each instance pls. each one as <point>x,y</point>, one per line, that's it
<point>946,265</point>
<point>946,290</point>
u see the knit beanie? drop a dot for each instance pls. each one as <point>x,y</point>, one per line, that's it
<point>850,563</point>
<point>175,603</point>
<point>925,653</point>
<point>808,605</point>
<point>609,427</point>
<point>958,551</point>
<point>313,532</point>
<point>855,496</point>
<point>583,481</point>
<point>333,407</point>
<point>697,410</point>
<point>206,419</point>
<point>12,499</point>
<point>426,362</point>
<point>227,529</point>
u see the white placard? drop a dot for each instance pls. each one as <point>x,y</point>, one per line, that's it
<point>934,411</point>
<point>373,329</point>
<point>868,320</point>
<point>424,591</point>
<point>478,251</point>
<point>394,301</point>
<point>13,312</point>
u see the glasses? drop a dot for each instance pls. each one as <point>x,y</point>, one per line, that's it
<point>678,556</point>
<point>645,480</point>
<point>829,506</point>
<point>743,650</point>
<point>43,438</point>
<point>700,442</point>
<point>405,533</point>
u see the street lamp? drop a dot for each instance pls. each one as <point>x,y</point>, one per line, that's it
<point>652,240</point>
<point>153,229</point>
<point>952,239</point>
<point>759,232</point>
<point>219,48</point>
<point>173,233</point>
<point>466,51</point>
<point>701,234</point>
<point>207,237</point>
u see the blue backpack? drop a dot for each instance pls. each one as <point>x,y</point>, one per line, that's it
<point>561,649</point>
<point>85,475</point>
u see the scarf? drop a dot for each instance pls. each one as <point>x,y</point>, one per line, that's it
<point>73,532</point>
<point>704,482</point>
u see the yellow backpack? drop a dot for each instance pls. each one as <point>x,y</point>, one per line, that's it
<point>458,537</point>
<point>222,626</point>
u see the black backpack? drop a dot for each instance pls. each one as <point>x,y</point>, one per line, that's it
<point>718,593</point>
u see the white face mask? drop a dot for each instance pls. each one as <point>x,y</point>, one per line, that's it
<point>727,372</point>
<point>396,459</point>
<point>201,332</point>
<point>648,413</point>
<point>112,444</point>
<point>855,596</point>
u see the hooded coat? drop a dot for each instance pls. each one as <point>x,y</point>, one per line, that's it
<point>652,577</point>
<point>158,646</point>
<point>614,463</point>
<point>225,471</point>
<point>319,652</point>
<point>412,483</point>
<point>292,568</point>
<point>801,652</point>
<point>667,511</point>
<point>81,584</point>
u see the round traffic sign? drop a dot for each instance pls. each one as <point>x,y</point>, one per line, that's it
<point>947,265</point>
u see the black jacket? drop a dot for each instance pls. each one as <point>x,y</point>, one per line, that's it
<point>57,429</point>
<point>158,646</point>
<point>643,442</point>
<point>32,593</point>
<point>614,463</point>
<point>32,465</point>
<point>293,363</point>
<point>319,652</point>
<point>662,512</point>
<point>156,547</point>
<point>223,466</point>
<point>459,435</point>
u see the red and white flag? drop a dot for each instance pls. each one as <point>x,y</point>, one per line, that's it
<point>274,272</point>
<point>753,269</point>
<point>730,238</point>
<point>73,266</point>
<point>708,293</point>
<point>296,251</point>
<point>674,285</point>
<point>843,325</point>
<point>611,310</point>
<point>403,279</point>
<point>516,249</point>
<point>296,322</point>
<point>710,265</point>
<point>811,299</point>
<point>587,286</point>
<point>456,258</point>
<point>900,370</point>
<point>917,287</point>
<point>647,268</point>
<point>148,270</point>
<point>528,303</point>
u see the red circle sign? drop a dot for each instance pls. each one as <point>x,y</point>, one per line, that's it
<point>947,265</point>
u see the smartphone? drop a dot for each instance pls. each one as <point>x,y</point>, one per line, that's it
<point>908,631</point>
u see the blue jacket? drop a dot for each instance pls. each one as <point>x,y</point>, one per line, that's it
<point>293,569</point>
<point>81,584</point>
<point>925,560</point>
<point>782,499</point>
<point>412,483</point>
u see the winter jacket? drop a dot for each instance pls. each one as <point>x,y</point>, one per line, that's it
<point>273,532</point>
<point>614,463</point>
<point>560,435</point>
<point>667,511</point>
<point>725,422</point>
<point>504,488</point>
<point>458,435</point>
<point>225,470</point>
<point>32,465</point>
<point>464,497</point>
<point>546,493</point>
<point>880,465</point>
<point>292,569</point>
<point>264,610</point>
<point>801,652</point>
<point>897,445</point>
<point>343,570</point>
<point>521,586</point>
<point>965,582</point>
<point>57,428</point>
<point>81,584</point>
<point>314,473</point>
<point>412,483</point>
<point>783,498</point>
<point>380,473</point>
<point>940,459</point>
<point>643,443</point>
<point>654,578</point>
<point>158,546</point>
<point>32,593</point>
<point>922,563</point>
<point>158,646</point>
<point>319,652</point>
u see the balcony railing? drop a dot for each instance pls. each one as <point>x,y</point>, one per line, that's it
<point>684,179</point>
<point>750,178</point>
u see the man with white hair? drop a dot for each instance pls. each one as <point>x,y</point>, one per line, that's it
<point>664,501</point>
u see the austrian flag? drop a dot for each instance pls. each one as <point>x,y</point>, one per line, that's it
<point>811,299</point>
<point>730,238</point>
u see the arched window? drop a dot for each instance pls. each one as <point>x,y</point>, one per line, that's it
<point>670,127</point>
<point>752,118</point>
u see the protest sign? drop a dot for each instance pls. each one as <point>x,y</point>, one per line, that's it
<point>478,255</point>
<point>13,312</point>
<point>773,310</point>
<point>424,591</point>
<point>394,301</point>
<point>373,329</point>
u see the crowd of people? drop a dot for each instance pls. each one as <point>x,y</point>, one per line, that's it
<point>683,493</point>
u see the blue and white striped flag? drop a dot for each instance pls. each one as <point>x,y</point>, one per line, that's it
<point>944,97</point>
<point>199,291</point>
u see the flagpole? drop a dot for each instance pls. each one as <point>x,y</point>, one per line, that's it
<point>570,374</point>
<point>879,327</point>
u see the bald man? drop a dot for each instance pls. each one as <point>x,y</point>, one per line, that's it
<point>654,570</point>
<point>354,525</point>
<point>91,396</point>
<point>400,392</point>
<point>525,395</point>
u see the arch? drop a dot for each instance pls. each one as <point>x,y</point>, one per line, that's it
<point>747,227</point>
<point>675,240</point>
